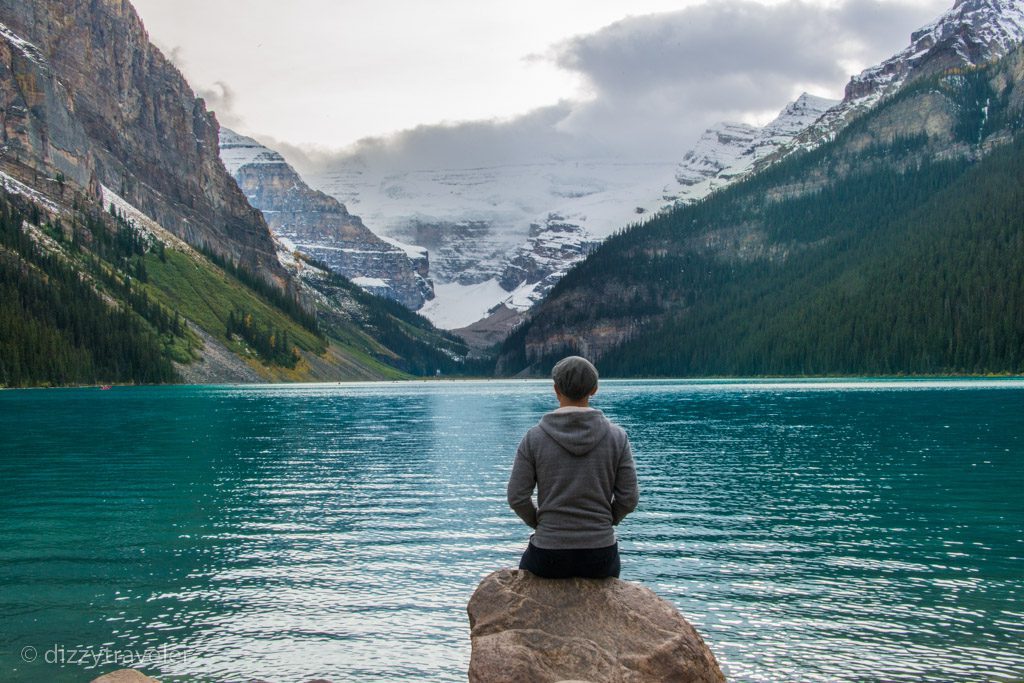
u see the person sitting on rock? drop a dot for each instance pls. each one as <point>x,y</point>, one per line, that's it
<point>582,467</point>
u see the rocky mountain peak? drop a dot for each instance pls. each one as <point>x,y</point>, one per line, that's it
<point>717,150</point>
<point>322,227</point>
<point>971,33</point>
<point>799,113</point>
<point>728,152</point>
<point>237,151</point>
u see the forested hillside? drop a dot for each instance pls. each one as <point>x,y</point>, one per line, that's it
<point>89,297</point>
<point>56,327</point>
<point>896,248</point>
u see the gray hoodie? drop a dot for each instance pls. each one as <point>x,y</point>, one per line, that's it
<point>582,467</point>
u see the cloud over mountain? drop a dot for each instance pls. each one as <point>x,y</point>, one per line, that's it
<point>655,82</point>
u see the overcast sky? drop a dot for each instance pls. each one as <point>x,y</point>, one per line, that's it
<point>470,82</point>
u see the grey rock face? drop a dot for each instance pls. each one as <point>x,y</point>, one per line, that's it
<point>552,248</point>
<point>461,248</point>
<point>86,96</point>
<point>527,629</point>
<point>322,227</point>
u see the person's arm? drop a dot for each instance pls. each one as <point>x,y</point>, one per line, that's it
<point>520,486</point>
<point>625,494</point>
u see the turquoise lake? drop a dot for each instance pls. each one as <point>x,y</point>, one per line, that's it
<point>810,530</point>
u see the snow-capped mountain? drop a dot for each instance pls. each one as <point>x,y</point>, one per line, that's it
<point>721,148</point>
<point>322,227</point>
<point>972,33</point>
<point>499,235</point>
<point>728,152</point>
<point>504,235</point>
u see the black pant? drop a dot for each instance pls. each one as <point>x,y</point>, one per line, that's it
<point>587,563</point>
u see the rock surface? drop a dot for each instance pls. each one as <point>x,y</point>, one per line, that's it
<point>86,101</point>
<point>528,629</point>
<point>125,676</point>
<point>321,226</point>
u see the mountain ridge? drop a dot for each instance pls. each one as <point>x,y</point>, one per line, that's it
<point>971,33</point>
<point>797,268</point>
<point>322,227</point>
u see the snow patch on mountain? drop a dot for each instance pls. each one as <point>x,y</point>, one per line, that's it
<point>502,234</point>
<point>411,250</point>
<point>972,33</point>
<point>26,48</point>
<point>728,152</point>
<point>456,305</point>
<point>15,186</point>
<point>237,151</point>
<point>322,227</point>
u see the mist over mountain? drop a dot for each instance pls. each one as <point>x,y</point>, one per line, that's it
<point>478,195</point>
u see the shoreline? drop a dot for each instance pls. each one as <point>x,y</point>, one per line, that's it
<point>708,379</point>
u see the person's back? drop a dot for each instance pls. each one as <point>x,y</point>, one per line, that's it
<point>582,467</point>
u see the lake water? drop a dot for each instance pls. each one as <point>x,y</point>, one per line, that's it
<point>811,531</point>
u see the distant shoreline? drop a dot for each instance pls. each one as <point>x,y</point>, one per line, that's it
<point>437,380</point>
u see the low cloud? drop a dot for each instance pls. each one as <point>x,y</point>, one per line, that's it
<point>220,98</point>
<point>474,143</point>
<point>656,82</point>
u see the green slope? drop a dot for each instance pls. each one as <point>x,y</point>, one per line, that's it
<point>61,323</point>
<point>86,298</point>
<point>934,288</point>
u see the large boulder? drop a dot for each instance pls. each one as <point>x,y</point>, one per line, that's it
<point>534,630</point>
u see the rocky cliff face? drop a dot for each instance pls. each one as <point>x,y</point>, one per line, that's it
<point>322,227</point>
<point>87,101</point>
<point>552,248</point>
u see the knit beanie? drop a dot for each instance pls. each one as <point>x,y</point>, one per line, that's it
<point>575,377</point>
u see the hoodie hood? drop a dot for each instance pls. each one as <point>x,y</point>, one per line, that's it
<point>577,431</point>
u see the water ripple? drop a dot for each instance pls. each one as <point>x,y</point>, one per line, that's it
<point>813,531</point>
